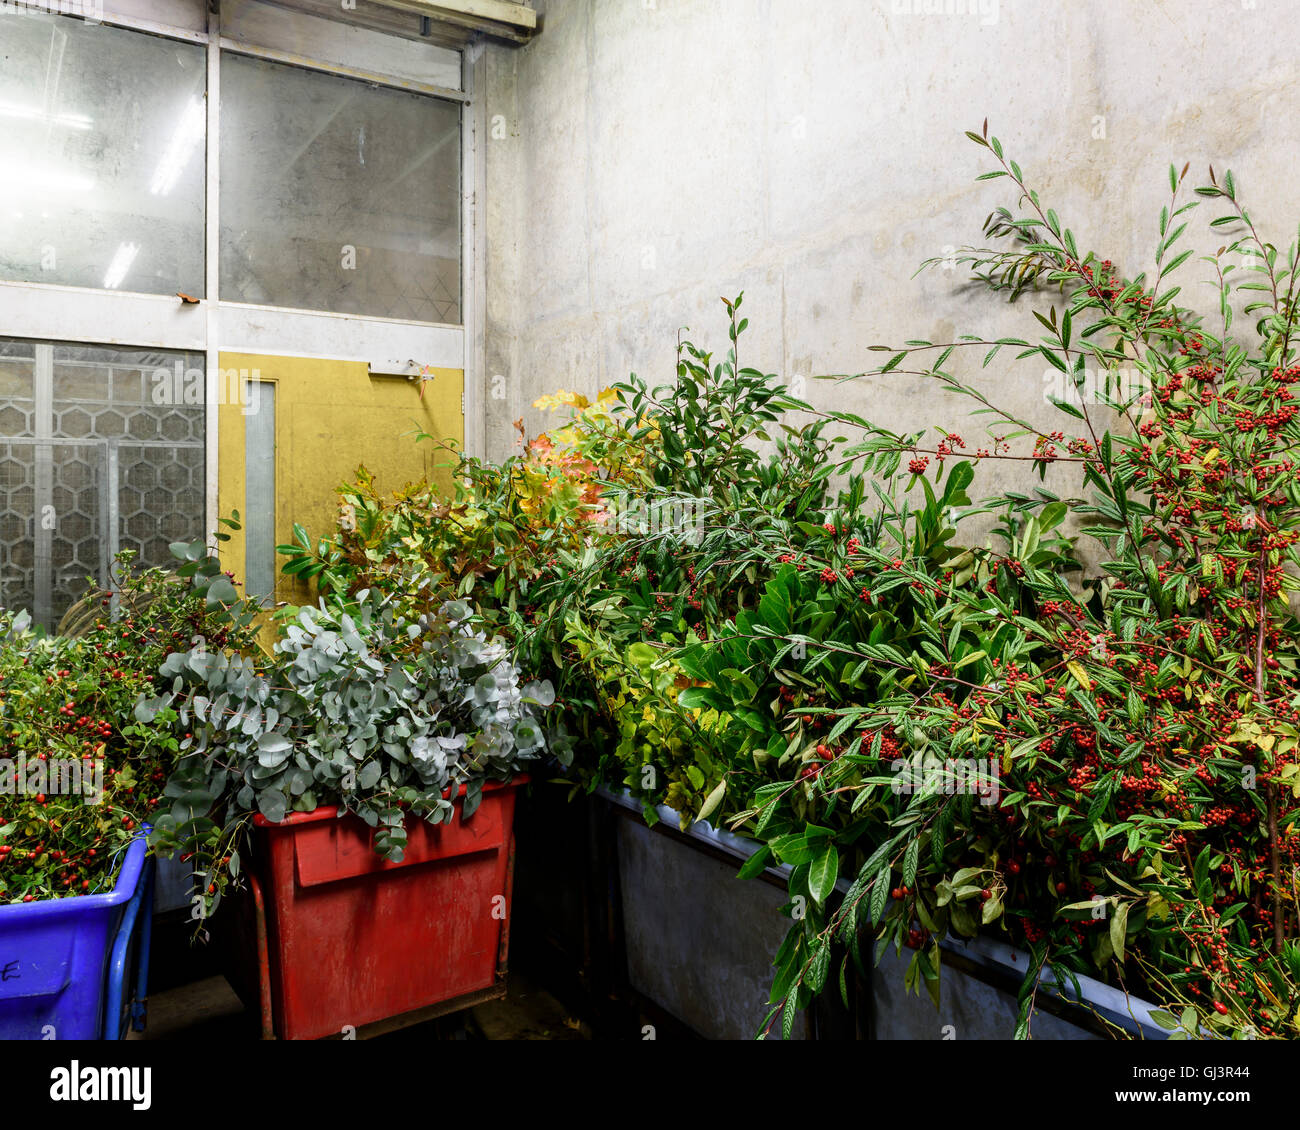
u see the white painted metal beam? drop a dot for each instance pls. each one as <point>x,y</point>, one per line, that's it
<point>384,343</point>
<point>69,313</point>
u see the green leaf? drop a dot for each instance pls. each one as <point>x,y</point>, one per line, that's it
<point>1025,996</point>
<point>695,698</point>
<point>1066,407</point>
<point>879,899</point>
<point>787,1015</point>
<point>823,872</point>
<point>910,858</point>
<point>221,591</point>
<point>755,864</point>
<point>792,849</point>
<point>1118,931</point>
<point>819,967</point>
<point>1053,359</point>
<point>712,801</point>
<point>272,804</point>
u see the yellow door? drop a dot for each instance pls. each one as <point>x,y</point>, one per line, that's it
<point>322,419</point>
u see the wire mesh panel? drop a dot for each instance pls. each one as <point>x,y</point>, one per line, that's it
<point>101,449</point>
<point>76,548</point>
<point>17,522</point>
<point>160,498</point>
<point>17,473</point>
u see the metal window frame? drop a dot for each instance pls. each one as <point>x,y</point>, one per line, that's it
<point>306,62</point>
<point>65,313</point>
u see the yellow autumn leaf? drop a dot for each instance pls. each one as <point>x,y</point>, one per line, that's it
<point>1157,907</point>
<point>559,399</point>
<point>1080,675</point>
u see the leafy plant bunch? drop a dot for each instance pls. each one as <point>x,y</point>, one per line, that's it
<point>389,718</point>
<point>1144,724</point>
<point>725,653</point>
<point>549,546</point>
<point>668,568</point>
<point>493,543</point>
<point>492,539</point>
<point>756,683</point>
<point>82,774</point>
<point>839,613</point>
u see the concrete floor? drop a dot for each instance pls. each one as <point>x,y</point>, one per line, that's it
<point>209,1010</point>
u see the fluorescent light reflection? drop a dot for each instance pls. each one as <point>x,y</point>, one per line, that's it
<point>123,257</point>
<point>33,114</point>
<point>188,134</point>
<point>28,179</point>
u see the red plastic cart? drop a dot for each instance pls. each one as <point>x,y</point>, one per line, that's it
<point>349,944</point>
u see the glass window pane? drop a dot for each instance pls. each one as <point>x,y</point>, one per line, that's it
<point>259,491</point>
<point>101,143</point>
<point>101,449</point>
<point>338,195</point>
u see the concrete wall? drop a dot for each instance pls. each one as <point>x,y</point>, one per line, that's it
<point>650,156</point>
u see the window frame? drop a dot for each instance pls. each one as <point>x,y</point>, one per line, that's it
<point>388,345</point>
<point>234,47</point>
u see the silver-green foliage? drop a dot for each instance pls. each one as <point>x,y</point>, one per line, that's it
<point>368,711</point>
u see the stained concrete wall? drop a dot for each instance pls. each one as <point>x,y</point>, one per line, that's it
<point>649,156</point>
